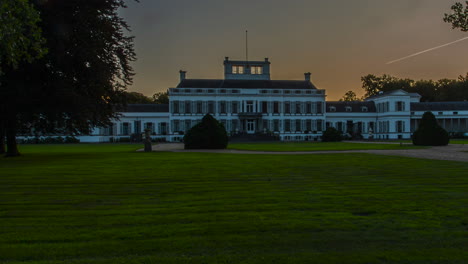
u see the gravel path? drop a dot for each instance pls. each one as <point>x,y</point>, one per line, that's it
<point>455,152</point>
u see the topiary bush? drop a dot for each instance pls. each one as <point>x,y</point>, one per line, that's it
<point>331,135</point>
<point>429,133</point>
<point>208,134</point>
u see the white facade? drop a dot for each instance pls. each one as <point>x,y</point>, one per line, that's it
<point>248,102</point>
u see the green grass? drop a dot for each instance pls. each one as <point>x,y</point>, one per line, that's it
<point>109,204</point>
<point>316,146</point>
<point>458,141</point>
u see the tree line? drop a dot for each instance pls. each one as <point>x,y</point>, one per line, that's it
<point>442,90</point>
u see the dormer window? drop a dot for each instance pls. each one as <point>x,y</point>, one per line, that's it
<point>348,109</point>
<point>237,69</point>
<point>256,69</point>
<point>332,109</point>
<point>364,109</point>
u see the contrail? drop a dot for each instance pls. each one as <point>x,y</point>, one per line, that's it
<point>424,51</point>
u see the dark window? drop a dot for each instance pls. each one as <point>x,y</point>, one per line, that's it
<point>298,92</point>
<point>265,107</point>
<point>455,113</point>
<point>298,125</point>
<point>276,109</point>
<point>264,91</point>
<point>276,91</point>
<point>125,129</point>
<point>210,91</point>
<point>308,108</point>
<point>287,108</point>
<point>222,91</point>
<point>187,90</point>
<point>199,91</point>
<point>276,125</point>
<point>199,107</point>
<point>308,92</point>
<point>235,106</point>
<point>235,91</point>
<point>211,107</point>
<point>287,125</point>
<point>287,92</point>
<point>222,109</point>
<point>319,107</point>
<point>176,107</point>
<point>298,108</point>
<point>187,107</point>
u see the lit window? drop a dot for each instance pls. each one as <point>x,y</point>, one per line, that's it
<point>237,69</point>
<point>256,70</point>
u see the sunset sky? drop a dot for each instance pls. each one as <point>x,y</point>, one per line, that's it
<point>338,41</point>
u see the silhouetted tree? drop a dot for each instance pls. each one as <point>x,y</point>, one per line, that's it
<point>429,133</point>
<point>137,98</point>
<point>20,42</point>
<point>350,96</point>
<point>161,98</point>
<point>458,17</point>
<point>81,80</point>
<point>208,134</point>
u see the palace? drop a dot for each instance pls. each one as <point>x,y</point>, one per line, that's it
<point>247,101</point>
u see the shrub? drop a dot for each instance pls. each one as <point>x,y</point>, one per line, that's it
<point>208,134</point>
<point>331,135</point>
<point>429,133</point>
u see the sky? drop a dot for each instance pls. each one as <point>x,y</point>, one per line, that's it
<point>338,41</point>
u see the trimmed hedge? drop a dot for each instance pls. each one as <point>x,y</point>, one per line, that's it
<point>208,134</point>
<point>332,135</point>
<point>429,133</point>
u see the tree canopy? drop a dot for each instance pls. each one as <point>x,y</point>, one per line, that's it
<point>431,91</point>
<point>459,16</point>
<point>80,81</point>
<point>350,96</point>
<point>161,98</point>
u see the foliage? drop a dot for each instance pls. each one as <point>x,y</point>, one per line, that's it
<point>115,207</point>
<point>137,98</point>
<point>161,98</point>
<point>459,16</point>
<point>350,96</point>
<point>79,83</point>
<point>429,133</point>
<point>430,91</point>
<point>331,135</point>
<point>208,134</point>
<point>50,140</point>
<point>20,35</point>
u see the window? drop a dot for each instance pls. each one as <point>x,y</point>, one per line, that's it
<point>211,107</point>
<point>235,91</point>
<point>210,91</point>
<point>187,90</point>
<point>298,125</point>
<point>256,70</point>
<point>400,106</point>
<point>348,109</point>
<point>276,106</point>
<point>265,107</point>
<point>176,126</point>
<point>309,125</point>
<point>149,126</point>
<point>187,107</point>
<point>339,126</point>
<point>298,92</point>
<point>199,91</point>
<point>235,106</point>
<point>276,125</point>
<point>364,109</point>
<point>137,127</point>
<point>162,128</point>
<point>222,107</point>
<point>332,109</point>
<point>441,113</point>
<point>175,106</point>
<point>125,129</point>
<point>236,69</point>
<point>298,108</point>
<point>175,90</point>
<point>250,107</point>
<point>188,124</point>
<point>287,125</point>
<point>276,91</point>
<point>319,107</point>
<point>308,92</point>
<point>222,91</point>
<point>264,91</point>
<point>287,92</point>
<point>287,108</point>
<point>199,107</point>
<point>319,125</point>
<point>455,113</point>
<point>400,125</point>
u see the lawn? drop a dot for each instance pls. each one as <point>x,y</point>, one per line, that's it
<point>109,204</point>
<point>317,146</point>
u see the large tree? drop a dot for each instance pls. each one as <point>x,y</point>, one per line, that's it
<point>350,96</point>
<point>81,80</point>
<point>20,42</point>
<point>161,98</point>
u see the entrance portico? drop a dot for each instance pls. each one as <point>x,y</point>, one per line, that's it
<point>251,123</point>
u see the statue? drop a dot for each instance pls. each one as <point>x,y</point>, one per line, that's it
<point>148,147</point>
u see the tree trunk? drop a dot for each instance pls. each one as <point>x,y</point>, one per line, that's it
<point>2,138</point>
<point>12,147</point>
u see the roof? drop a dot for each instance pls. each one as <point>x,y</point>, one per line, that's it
<point>439,106</point>
<point>246,84</point>
<point>147,108</point>
<point>356,106</point>
<point>393,92</point>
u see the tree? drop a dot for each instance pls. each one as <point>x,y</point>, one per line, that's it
<point>137,98</point>
<point>332,135</point>
<point>459,16</point>
<point>20,42</point>
<point>350,96</point>
<point>429,133</point>
<point>161,98</point>
<point>208,134</point>
<point>80,82</point>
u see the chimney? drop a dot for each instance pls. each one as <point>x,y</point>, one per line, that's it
<point>266,59</point>
<point>307,76</point>
<point>226,58</point>
<point>182,75</point>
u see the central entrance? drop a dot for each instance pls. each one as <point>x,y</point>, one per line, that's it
<point>250,126</point>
